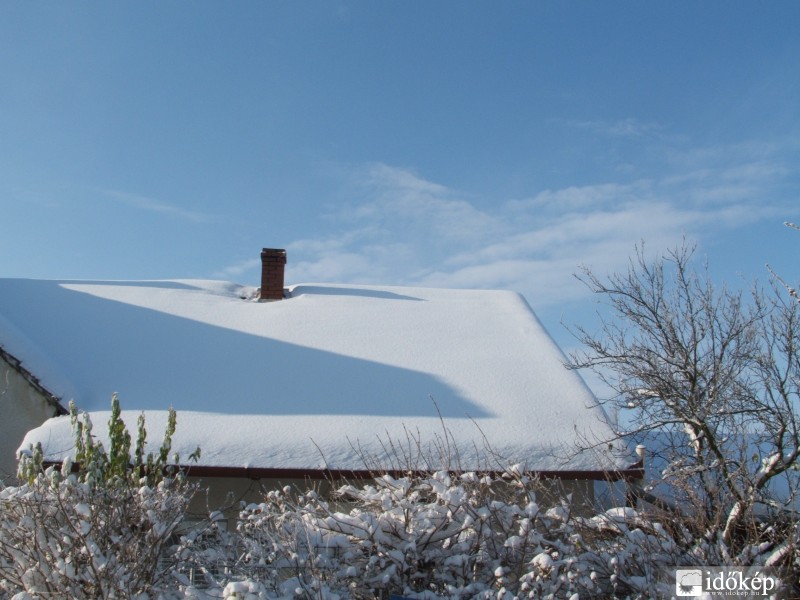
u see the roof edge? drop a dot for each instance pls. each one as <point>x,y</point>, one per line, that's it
<point>635,471</point>
<point>16,364</point>
<point>632,472</point>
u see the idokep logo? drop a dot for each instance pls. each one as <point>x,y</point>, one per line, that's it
<point>725,582</point>
<point>688,582</point>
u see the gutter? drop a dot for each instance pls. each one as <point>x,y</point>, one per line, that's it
<point>632,472</point>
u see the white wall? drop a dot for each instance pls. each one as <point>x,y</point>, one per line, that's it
<point>22,408</point>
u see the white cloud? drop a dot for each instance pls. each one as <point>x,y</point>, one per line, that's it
<point>399,198</point>
<point>628,128</point>
<point>233,271</point>
<point>152,205</point>
<point>400,228</point>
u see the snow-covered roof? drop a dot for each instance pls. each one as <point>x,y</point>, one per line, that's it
<point>318,380</point>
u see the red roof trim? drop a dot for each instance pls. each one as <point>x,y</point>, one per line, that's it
<point>633,472</point>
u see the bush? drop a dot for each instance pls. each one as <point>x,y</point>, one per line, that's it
<point>430,536</point>
<point>94,528</point>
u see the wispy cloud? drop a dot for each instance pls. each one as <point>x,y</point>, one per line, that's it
<point>233,271</point>
<point>150,204</point>
<point>401,228</point>
<point>625,128</point>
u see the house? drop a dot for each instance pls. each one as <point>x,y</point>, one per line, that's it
<point>305,382</point>
<point>25,404</point>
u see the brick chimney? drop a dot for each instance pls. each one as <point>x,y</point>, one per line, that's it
<point>273,264</point>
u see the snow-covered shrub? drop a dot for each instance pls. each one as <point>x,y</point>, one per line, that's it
<point>93,528</point>
<point>437,535</point>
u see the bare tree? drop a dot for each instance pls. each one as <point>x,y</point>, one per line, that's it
<point>789,288</point>
<point>711,377</point>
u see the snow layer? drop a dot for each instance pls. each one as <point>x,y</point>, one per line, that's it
<point>304,382</point>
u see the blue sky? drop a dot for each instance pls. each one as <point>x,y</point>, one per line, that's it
<point>457,144</point>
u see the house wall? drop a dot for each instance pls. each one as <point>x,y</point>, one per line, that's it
<point>22,407</point>
<point>227,493</point>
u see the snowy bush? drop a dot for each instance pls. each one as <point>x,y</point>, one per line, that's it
<point>430,536</point>
<point>93,528</point>
<point>101,529</point>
